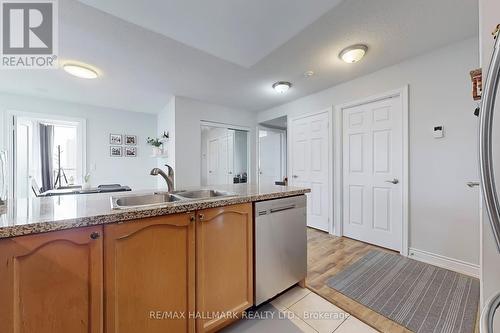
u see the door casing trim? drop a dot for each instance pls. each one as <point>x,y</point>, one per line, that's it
<point>337,228</point>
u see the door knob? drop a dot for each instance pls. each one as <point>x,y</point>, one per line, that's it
<point>295,176</point>
<point>394,181</point>
<point>472,184</point>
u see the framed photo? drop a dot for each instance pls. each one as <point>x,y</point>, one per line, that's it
<point>130,151</point>
<point>115,139</point>
<point>477,84</point>
<point>115,151</point>
<point>131,140</point>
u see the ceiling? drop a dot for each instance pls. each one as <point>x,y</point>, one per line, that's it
<point>239,31</point>
<point>280,122</point>
<point>141,68</point>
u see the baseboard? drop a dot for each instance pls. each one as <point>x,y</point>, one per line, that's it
<point>445,262</point>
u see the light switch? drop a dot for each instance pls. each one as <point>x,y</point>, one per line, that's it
<point>438,132</point>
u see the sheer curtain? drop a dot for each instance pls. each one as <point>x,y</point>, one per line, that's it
<point>46,156</point>
<point>35,161</point>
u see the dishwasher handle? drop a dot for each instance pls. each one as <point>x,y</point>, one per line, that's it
<point>280,209</point>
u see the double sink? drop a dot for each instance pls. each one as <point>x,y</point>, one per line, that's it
<point>160,198</point>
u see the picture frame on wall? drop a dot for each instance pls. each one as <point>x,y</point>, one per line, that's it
<point>130,140</point>
<point>130,151</point>
<point>476,77</point>
<point>115,139</point>
<point>115,151</point>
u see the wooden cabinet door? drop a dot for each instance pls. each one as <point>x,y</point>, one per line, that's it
<point>149,275</point>
<point>224,265</point>
<point>52,282</point>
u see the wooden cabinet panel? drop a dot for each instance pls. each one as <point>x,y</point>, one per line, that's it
<point>224,264</point>
<point>150,275</point>
<point>52,282</point>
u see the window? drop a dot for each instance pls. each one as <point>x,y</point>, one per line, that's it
<point>47,153</point>
<point>65,166</point>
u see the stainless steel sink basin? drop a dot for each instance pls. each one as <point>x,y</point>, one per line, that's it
<point>160,198</point>
<point>203,194</point>
<point>145,200</point>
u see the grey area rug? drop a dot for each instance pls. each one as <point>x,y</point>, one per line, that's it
<point>419,296</point>
<point>264,319</point>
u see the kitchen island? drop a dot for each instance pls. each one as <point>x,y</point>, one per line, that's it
<point>74,264</point>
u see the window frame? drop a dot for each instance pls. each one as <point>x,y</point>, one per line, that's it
<point>11,118</point>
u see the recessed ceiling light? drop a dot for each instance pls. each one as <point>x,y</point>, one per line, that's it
<point>353,53</point>
<point>282,86</point>
<point>81,71</point>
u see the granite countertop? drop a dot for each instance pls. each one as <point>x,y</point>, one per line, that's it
<point>36,215</point>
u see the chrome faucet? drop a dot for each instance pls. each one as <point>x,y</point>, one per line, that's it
<point>169,176</point>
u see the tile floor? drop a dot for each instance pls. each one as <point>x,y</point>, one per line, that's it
<point>313,314</point>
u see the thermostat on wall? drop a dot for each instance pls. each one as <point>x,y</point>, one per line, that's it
<point>438,132</point>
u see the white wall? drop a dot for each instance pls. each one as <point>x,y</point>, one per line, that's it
<point>489,12</point>
<point>166,123</point>
<point>131,171</point>
<point>188,115</point>
<point>443,211</point>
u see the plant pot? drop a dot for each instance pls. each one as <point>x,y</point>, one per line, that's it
<point>157,151</point>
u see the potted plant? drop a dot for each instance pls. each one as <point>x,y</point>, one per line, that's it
<point>157,146</point>
<point>157,143</point>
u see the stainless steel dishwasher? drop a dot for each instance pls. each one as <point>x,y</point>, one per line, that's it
<point>280,246</point>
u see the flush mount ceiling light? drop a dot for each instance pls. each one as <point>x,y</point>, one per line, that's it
<point>353,53</point>
<point>282,86</point>
<point>81,71</point>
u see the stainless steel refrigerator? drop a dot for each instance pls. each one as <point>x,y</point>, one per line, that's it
<point>489,162</point>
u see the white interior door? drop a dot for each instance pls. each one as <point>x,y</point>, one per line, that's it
<point>230,158</point>
<point>310,163</point>
<point>372,172</point>
<point>223,160</point>
<point>270,157</point>
<point>213,161</point>
<point>220,160</point>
